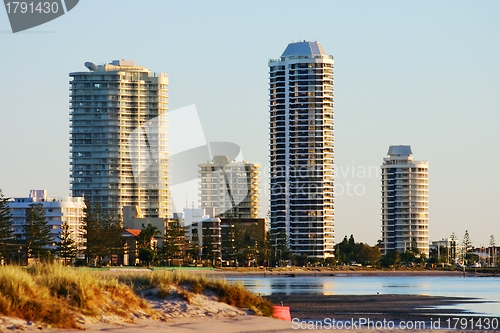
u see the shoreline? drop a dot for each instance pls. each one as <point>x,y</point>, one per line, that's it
<point>339,273</point>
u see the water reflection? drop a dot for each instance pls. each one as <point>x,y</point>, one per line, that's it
<point>485,288</point>
<point>287,285</point>
<point>328,288</point>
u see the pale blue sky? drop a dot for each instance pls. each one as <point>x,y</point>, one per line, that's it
<point>420,73</point>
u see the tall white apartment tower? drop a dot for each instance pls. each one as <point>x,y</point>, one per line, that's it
<point>118,137</point>
<point>301,148</point>
<point>405,202</point>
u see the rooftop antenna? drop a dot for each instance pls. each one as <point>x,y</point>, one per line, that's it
<point>91,66</point>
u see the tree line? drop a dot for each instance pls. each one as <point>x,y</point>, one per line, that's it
<point>36,240</point>
<point>99,239</point>
<point>464,253</point>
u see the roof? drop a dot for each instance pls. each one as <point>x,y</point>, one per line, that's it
<point>399,150</point>
<point>303,48</point>
<point>134,232</point>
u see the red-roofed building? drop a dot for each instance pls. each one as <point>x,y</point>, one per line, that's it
<point>130,246</point>
<point>134,232</point>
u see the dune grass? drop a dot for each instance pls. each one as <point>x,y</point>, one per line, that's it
<point>232,294</point>
<point>56,295</point>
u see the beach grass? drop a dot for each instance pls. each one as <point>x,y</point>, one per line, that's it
<point>232,294</point>
<point>56,295</point>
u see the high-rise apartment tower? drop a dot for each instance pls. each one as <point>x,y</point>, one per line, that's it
<point>118,137</point>
<point>301,148</point>
<point>405,202</point>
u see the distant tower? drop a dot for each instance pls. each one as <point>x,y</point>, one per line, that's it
<point>405,202</point>
<point>301,148</point>
<point>110,164</point>
<point>232,188</point>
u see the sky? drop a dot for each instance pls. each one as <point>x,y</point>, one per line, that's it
<point>424,74</point>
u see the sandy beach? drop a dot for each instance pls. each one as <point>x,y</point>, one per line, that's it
<point>203,313</point>
<point>312,311</point>
<point>238,324</point>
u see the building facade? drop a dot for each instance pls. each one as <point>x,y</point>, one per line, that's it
<point>204,229</point>
<point>57,211</point>
<point>118,137</point>
<point>133,218</point>
<point>453,250</point>
<point>253,229</point>
<point>405,202</point>
<point>232,188</point>
<point>301,148</point>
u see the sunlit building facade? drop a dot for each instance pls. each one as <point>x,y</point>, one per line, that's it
<point>232,188</point>
<point>57,210</point>
<point>405,202</point>
<point>301,148</point>
<point>118,137</point>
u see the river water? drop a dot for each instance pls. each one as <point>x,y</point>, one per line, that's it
<point>486,289</point>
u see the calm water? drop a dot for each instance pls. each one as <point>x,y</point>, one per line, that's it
<point>484,288</point>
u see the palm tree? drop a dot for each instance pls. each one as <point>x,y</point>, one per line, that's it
<point>147,248</point>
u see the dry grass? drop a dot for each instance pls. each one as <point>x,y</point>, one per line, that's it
<point>232,294</point>
<point>57,295</point>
